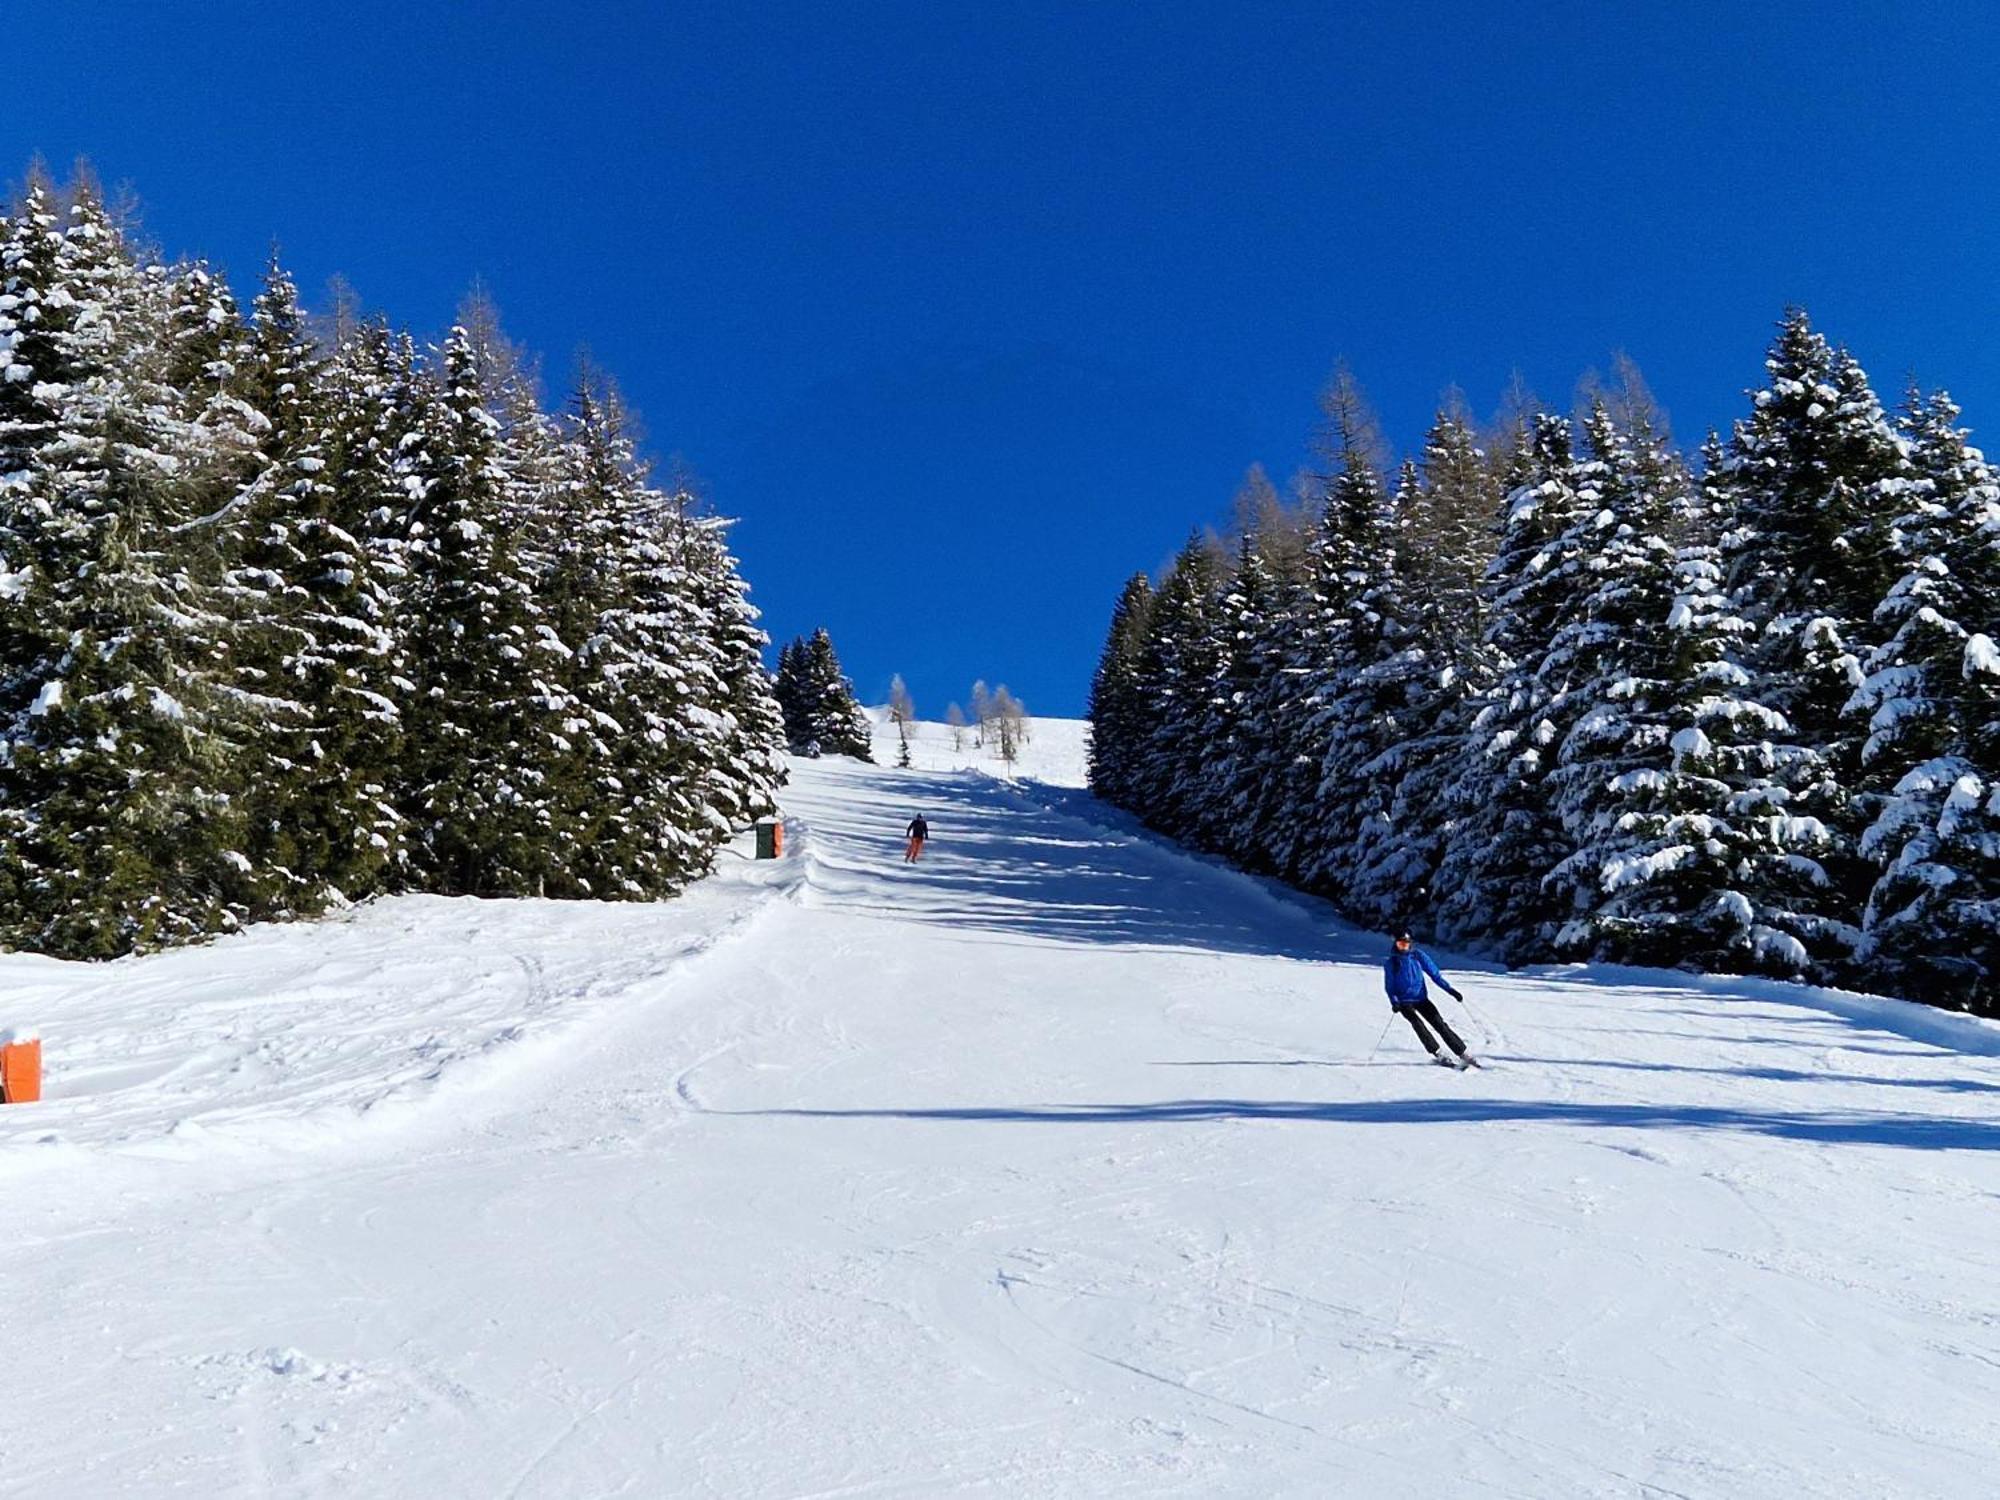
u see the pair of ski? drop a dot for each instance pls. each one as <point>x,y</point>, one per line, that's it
<point>1459,1064</point>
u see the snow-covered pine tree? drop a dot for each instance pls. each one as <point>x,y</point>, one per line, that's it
<point>1442,524</point>
<point>374,404</point>
<point>1932,757</point>
<point>572,550</point>
<point>483,731</point>
<point>649,680</point>
<point>1233,738</point>
<point>788,691</point>
<point>1506,836</point>
<point>1816,476</point>
<point>1687,823</point>
<point>1180,672</point>
<point>788,688</point>
<point>219,435</point>
<point>744,781</point>
<point>119,824</point>
<point>833,718</point>
<point>1633,666</point>
<point>1345,712</point>
<point>1116,710</point>
<point>1446,537</point>
<point>1271,795</point>
<point>311,647</point>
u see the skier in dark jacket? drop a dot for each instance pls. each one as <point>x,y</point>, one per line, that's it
<point>1403,979</point>
<point>918,832</point>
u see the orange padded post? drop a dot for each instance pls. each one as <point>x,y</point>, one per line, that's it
<point>21,1072</point>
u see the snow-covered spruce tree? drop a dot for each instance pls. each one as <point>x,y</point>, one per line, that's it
<point>1932,705</point>
<point>1647,659</point>
<point>1816,478</point>
<point>1446,536</point>
<point>219,434</point>
<point>371,406</point>
<point>743,782</point>
<point>788,689</point>
<point>1344,713</point>
<point>312,650</point>
<point>1273,780</point>
<point>828,715</point>
<point>565,515</point>
<point>1442,523</point>
<point>1180,672</point>
<point>1232,736</point>
<point>1506,836</point>
<point>1116,709</point>
<point>1685,826</point>
<point>559,526</point>
<point>649,674</point>
<point>1277,657</point>
<point>483,731</point>
<point>1248,772</point>
<point>120,827</point>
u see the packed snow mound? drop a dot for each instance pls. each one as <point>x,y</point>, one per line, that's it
<point>304,1035</point>
<point>1056,751</point>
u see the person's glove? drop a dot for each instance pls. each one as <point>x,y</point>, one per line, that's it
<point>1455,995</point>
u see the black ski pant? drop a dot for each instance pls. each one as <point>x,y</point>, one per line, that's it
<point>1426,1010</point>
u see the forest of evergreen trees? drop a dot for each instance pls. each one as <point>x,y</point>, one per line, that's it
<point>1561,693</point>
<point>292,616</point>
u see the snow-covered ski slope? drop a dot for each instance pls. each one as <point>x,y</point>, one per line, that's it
<point>1057,1165</point>
<point>1051,750</point>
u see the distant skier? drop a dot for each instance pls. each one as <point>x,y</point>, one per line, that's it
<point>1403,978</point>
<point>918,831</point>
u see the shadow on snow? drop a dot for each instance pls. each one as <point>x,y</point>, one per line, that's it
<point>1060,878</point>
<point>1762,1074</point>
<point>1914,1132</point>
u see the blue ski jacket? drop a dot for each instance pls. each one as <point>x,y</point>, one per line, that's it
<point>1403,976</point>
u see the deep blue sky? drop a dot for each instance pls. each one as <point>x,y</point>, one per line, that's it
<point>969,310</point>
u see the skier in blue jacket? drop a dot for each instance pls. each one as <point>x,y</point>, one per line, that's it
<point>1403,978</point>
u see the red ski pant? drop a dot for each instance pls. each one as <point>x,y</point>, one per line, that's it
<point>916,848</point>
<point>1426,1010</point>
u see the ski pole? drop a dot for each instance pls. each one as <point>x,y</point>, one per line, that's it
<point>1485,1034</point>
<point>1382,1038</point>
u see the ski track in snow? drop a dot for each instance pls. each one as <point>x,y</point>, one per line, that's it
<point>1055,1165</point>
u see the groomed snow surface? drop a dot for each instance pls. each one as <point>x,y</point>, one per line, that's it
<point>1056,751</point>
<point>1060,1164</point>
